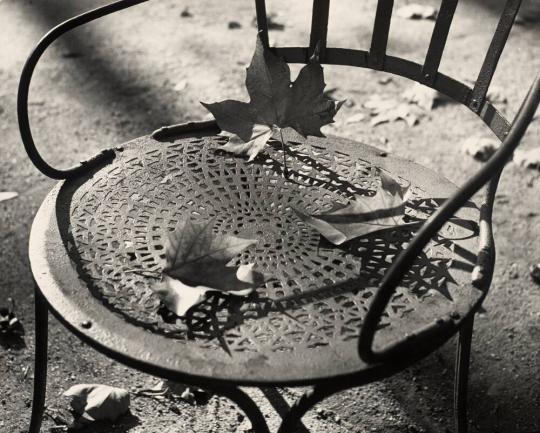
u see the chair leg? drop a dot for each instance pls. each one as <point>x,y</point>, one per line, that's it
<point>461,378</point>
<point>40,363</point>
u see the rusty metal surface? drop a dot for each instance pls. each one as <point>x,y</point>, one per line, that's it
<point>300,328</point>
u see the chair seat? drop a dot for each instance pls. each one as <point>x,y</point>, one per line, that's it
<point>97,237</point>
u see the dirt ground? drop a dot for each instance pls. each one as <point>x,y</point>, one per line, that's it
<point>146,67</point>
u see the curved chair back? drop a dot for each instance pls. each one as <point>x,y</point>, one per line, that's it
<point>426,73</point>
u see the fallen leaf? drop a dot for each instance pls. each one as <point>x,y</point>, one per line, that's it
<point>423,96</point>
<point>181,85</point>
<point>480,148</point>
<point>186,13</point>
<point>358,117</point>
<point>528,158</point>
<point>415,11</point>
<point>275,103</point>
<point>410,114</point>
<point>271,22</point>
<point>376,104</point>
<point>363,215</point>
<point>197,262</point>
<point>7,195</point>
<point>98,402</point>
<point>496,95</point>
<point>10,325</point>
<point>234,25</point>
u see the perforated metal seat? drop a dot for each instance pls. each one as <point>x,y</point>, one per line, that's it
<point>333,317</point>
<point>303,326</point>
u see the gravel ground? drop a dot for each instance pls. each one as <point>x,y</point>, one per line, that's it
<point>116,79</point>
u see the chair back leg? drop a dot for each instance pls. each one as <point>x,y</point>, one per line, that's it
<point>40,362</point>
<point>461,379</point>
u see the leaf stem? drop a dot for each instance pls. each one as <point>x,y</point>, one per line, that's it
<point>285,169</point>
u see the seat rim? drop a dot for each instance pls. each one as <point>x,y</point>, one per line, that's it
<point>47,255</point>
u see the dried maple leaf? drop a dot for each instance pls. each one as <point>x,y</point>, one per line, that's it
<point>362,215</point>
<point>197,262</point>
<point>275,103</point>
<point>9,323</point>
<point>95,402</point>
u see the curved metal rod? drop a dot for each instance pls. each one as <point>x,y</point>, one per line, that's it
<point>403,262</point>
<point>248,406</point>
<point>24,84</point>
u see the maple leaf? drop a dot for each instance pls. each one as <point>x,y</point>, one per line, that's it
<point>9,323</point>
<point>94,402</point>
<point>275,103</point>
<point>363,215</point>
<point>197,261</point>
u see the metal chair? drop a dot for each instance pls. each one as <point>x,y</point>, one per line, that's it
<point>334,318</point>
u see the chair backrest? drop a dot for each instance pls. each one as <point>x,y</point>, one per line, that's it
<point>376,58</point>
<point>426,73</point>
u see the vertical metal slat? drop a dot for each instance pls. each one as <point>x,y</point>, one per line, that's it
<point>262,23</point>
<point>438,41</point>
<point>381,29</point>
<point>491,60</point>
<point>319,27</point>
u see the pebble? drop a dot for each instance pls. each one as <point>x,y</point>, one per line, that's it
<point>234,25</point>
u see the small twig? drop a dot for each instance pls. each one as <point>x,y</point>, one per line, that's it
<point>285,169</point>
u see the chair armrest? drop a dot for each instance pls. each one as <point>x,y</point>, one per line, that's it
<point>490,171</point>
<point>24,84</point>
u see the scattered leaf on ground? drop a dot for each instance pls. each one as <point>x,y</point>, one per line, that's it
<point>416,11</point>
<point>480,148</point>
<point>528,158</point>
<point>496,95</point>
<point>7,195</point>
<point>175,391</point>
<point>409,113</point>
<point>98,402</point>
<point>358,117</point>
<point>385,80</point>
<point>271,22</point>
<point>364,214</point>
<point>275,103</point>
<point>9,323</point>
<point>186,13</point>
<point>234,25</point>
<point>384,109</point>
<point>181,85</point>
<point>423,96</point>
<point>197,261</point>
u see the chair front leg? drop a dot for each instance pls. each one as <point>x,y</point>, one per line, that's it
<point>40,362</point>
<point>461,379</point>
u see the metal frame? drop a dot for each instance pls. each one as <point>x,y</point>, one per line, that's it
<point>416,345</point>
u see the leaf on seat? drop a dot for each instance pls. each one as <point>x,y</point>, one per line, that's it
<point>363,215</point>
<point>275,103</point>
<point>94,402</point>
<point>197,261</point>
